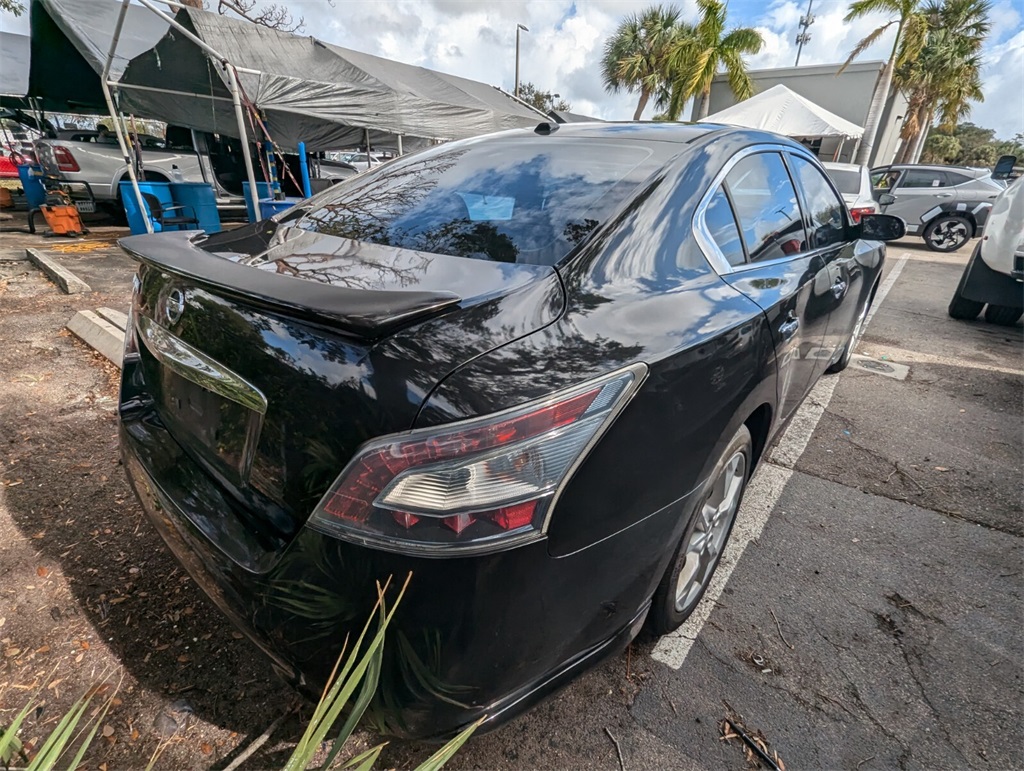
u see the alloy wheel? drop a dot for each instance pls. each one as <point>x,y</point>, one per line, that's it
<point>951,235</point>
<point>714,520</point>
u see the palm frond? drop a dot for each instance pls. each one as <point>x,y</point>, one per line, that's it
<point>860,8</point>
<point>865,43</point>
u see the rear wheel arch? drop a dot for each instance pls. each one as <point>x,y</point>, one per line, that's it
<point>759,423</point>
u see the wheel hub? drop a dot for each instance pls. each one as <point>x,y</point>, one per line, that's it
<point>949,233</point>
<point>707,539</point>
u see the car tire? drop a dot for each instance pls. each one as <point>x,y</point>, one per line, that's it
<point>1003,315</point>
<point>851,343</point>
<point>947,234</point>
<point>698,553</point>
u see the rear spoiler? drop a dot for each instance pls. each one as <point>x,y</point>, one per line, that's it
<point>361,313</point>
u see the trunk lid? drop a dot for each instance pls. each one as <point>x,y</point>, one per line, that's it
<point>269,355</point>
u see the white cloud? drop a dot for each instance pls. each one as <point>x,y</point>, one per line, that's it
<point>562,51</point>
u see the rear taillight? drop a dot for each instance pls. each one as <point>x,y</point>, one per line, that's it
<point>484,484</point>
<point>860,211</point>
<point>65,160</point>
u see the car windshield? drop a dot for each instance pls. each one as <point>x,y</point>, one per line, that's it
<point>519,200</point>
<point>847,181</point>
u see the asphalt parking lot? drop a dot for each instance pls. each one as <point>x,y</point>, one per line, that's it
<point>868,613</point>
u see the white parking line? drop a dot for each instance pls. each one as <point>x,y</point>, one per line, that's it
<point>760,499</point>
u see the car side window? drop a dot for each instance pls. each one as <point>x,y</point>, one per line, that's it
<point>764,200</point>
<point>824,207</point>
<point>721,224</point>
<point>956,178</point>
<point>885,179</point>
<point>924,178</point>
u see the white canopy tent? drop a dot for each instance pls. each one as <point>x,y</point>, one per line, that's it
<point>785,112</point>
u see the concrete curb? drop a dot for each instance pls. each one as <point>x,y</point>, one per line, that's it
<point>68,282</point>
<point>99,334</point>
<point>117,318</point>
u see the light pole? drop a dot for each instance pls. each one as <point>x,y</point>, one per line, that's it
<point>803,36</point>
<point>519,28</point>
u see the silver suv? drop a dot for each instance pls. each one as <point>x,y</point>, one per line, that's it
<point>946,205</point>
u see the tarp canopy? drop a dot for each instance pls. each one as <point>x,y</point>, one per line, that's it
<point>69,46</point>
<point>14,53</point>
<point>780,110</point>
<point>307,90</point>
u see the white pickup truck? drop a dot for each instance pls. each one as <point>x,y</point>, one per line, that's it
<point>82,155</point>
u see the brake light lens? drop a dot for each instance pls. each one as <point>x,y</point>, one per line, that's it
<point>484,484</point>
<point>65,160</point>
<point>860,211</point>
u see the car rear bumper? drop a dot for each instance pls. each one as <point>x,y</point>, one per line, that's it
<point>983,284</point>
<point>487,635</point>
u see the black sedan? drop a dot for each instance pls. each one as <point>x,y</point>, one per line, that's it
<point>536,369</point>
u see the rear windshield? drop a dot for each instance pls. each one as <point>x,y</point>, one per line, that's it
<point>847,181</point>
<point>520,200</point>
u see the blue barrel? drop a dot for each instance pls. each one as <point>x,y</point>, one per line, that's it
<point>263,190</point>
<point>269,207</point>
<point>199,197</point>
<point>136,219</point>
<point>31,183</point>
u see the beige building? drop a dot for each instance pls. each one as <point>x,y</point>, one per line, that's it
<point>847,95</point>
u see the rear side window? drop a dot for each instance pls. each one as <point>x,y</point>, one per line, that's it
<point>766,208</point>
<point>956,178</point>
<point>924,178</point>
<point>847,181</point>
<point>824,208</point>
<point>522,200</point>
<point>721,223</point>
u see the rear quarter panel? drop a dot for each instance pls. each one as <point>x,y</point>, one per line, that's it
<point>640,290</point>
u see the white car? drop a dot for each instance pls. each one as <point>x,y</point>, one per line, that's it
<point>994,276</point>
<point>854,183</point>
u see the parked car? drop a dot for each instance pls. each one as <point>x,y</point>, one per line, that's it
<point>994,276</point>
<point>854,183</point>
<point>536,369</point>
<point>945,205</point>
<point>83,156</point>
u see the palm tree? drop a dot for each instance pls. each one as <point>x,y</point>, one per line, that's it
<point>697,58</point>
<point>910,33</point>
<point>945,76</point>
<point>635,57</point>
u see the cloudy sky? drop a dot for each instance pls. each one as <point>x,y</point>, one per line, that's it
<point>562,50</point>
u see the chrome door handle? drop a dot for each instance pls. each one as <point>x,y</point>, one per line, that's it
<point>789,327</point>
<point>839,288</point>
<point>943,195</point>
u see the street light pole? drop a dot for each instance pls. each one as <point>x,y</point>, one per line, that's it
<point>519,27</point>
<point>803,36</point>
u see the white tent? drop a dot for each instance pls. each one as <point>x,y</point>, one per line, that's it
<point>784,112</point>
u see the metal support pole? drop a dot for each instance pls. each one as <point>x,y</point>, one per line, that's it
<point>804,36</point>
<point>236,99</point>
<point>307,191</point>
<point>108,96</point>
<point>519,27</point>
<point>366,133</point>
<point>399,144</point>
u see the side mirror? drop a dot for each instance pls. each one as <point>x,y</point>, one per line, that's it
<point>886,198</point>
<point>1004,167</point>
<point>882,227</point>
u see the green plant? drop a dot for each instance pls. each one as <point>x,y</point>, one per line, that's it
<point>68,732</point>
<point>356,674</point>
<point>636,55</point>
<point>709,48</point>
